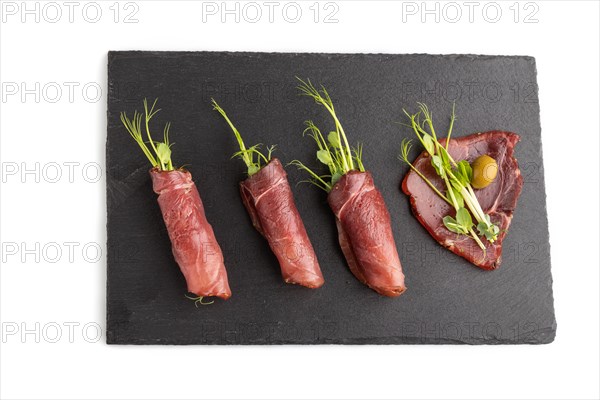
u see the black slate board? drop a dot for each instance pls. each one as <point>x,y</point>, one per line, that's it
<point>448,300</point>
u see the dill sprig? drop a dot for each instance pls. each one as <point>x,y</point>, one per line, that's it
<point>334,152</point>
<point>251,156</point>
<point>160,155</point>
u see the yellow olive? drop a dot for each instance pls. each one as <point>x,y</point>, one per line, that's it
<point>485,170</point>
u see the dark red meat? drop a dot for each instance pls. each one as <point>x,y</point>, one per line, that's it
<point>499,199</point>
<point>365,233</point>
<point>270,203</point>
<point>192,238</point>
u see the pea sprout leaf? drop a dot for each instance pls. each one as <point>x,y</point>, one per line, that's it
<point>428,143</point>
<point>464,172</point>
<point>444,156</point>
<point>437,163</point>
<point>324,156</point>
<point>487,229</point>
<point>163,152</point>
<point>334,140</point>
<point>452,225</point>
<point>487,218</point>
<point>463,218</point>
<point>335,177</point>
<point>459,198</point>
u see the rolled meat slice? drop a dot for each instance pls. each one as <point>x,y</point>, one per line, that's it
<point>365,233</point>
<point>193,241</point>
<point>362,219</point>
<point>269,200</point>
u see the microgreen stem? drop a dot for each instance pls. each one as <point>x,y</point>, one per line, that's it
<point>404,151</point>
<point>428,120</point>
<point>237,134</point>
<point>472,193</point>
<point>431,185</point>
<point>134,129</point>
<point>452,119</point>
<point>474,209</point>
<point>334,150</point>
<point>469,197</point>
<point>477,240</point>
<point>246,154</point>
<point>308,89</point>
<point>451,193</point>
<point>161,158</point>
<point>199,300</point>
<point>149,116</point>
<point>321,182</point>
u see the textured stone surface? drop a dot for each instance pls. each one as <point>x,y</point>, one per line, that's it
<point>447,301</point>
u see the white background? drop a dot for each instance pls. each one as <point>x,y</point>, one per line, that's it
<point>565,42</point>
